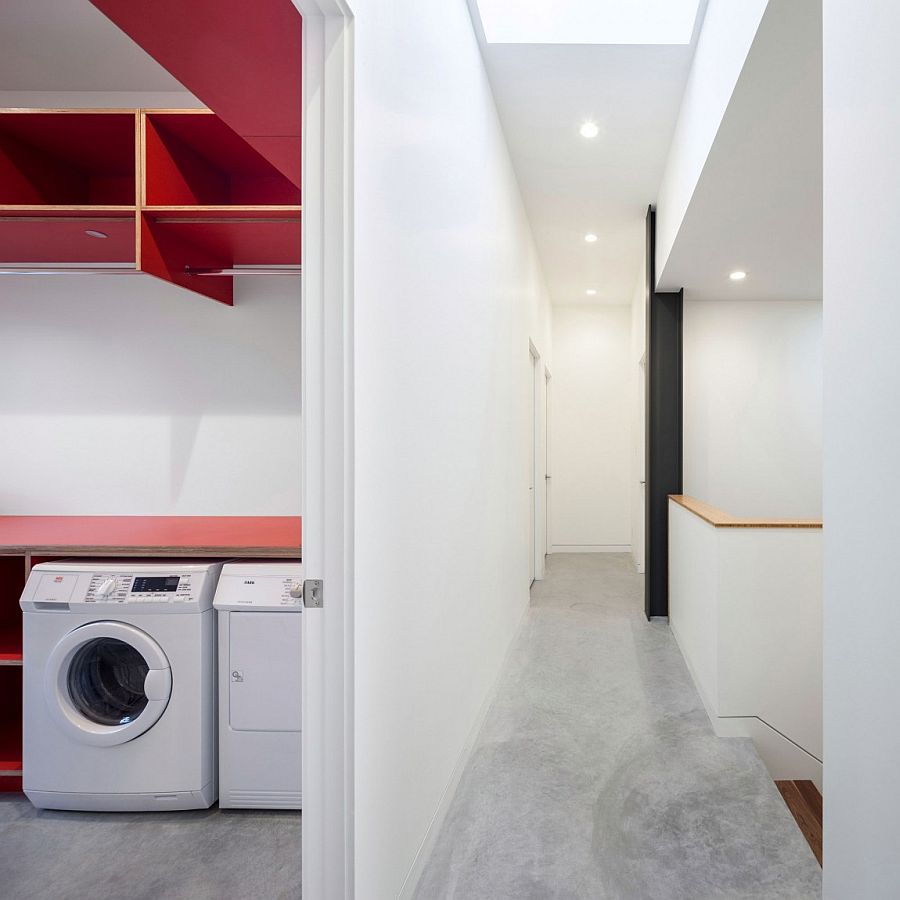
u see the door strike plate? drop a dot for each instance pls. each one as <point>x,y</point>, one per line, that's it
<point>313,593</point>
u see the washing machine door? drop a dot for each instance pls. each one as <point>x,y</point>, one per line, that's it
<point>107,683</point>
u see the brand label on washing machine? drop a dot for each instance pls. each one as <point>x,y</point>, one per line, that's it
<point>54,588</point>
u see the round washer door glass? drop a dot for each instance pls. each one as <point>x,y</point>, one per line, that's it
<point>106,681</point>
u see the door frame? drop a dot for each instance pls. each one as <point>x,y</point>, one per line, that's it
<point>327,452</point>
<point>548,479</point>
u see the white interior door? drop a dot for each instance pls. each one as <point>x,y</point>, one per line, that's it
<point>548,481</point>
<point>641,454</point>
<point>535,475</point>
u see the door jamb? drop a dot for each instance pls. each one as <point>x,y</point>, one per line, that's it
<point>327,453</point>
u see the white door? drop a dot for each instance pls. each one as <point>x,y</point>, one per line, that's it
<point>532,468</point>
<point>547,477</point>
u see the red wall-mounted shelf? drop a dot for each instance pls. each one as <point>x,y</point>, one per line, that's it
<point>170,193</point>
<point>27,540</point>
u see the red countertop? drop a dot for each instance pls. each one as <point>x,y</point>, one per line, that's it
<point>277,536</point>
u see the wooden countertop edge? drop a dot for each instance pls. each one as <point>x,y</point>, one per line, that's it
<point>719,519</point>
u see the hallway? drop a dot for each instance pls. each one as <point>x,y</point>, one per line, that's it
<point>597,774</point>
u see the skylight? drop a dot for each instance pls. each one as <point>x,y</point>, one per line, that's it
<point>588,21</point>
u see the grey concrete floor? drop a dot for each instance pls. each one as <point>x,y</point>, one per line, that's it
<point>597,773</point>
<point>198,855</point>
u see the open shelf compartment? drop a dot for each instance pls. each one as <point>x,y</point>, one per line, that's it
<point>12,581</point>
<point>193,159</point>
<point>11,729</point>
<point>67,158</point>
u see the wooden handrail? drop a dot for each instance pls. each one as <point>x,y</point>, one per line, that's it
<point>720,519</point>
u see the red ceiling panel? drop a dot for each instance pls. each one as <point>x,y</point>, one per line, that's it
<point>242,59</point>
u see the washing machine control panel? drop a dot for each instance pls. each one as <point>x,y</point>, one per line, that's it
<point>108,587</point>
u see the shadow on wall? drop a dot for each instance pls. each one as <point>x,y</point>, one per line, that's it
<point>126,395</point>
<point>102,344</point>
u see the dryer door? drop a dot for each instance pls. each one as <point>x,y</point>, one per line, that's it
<point>106,683</point>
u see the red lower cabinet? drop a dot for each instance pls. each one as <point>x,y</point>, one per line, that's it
<point>11,728</point>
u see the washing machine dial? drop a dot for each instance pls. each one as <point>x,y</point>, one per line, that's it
<point>297,590</point>
<point>107,587</point>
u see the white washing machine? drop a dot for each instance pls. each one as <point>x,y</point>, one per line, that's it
<point>259,606</point>
<point>119,685</point>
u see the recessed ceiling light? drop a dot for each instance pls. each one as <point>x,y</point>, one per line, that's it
<point>590,238</point>
<point>738,275</point>
<point>589,130</point>
<point>96,234</point>
<point>590,292</point>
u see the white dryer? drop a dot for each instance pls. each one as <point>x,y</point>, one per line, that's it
<point>259,606</point>
<point>119,685</point>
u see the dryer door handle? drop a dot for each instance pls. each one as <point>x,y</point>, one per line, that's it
<point>158,684</point>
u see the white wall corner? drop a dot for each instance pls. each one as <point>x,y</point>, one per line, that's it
<point>725,39</point>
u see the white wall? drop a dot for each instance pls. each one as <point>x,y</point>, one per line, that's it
<point>727,33</point>
<point>448,292</point>
<point>753,406</point>
<point>123,395</point>
<point>862,436</point>
<point>590,429</point>
<point>745,605</point>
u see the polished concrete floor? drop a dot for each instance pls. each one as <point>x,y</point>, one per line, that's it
<point>597,774</point>
<point>199,855</point>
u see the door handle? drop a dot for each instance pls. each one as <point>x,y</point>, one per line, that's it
<point>158,684</point>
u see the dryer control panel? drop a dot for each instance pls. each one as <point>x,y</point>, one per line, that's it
<point>261,586</point>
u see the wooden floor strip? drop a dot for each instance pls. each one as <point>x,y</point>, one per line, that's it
<point>805,803</point>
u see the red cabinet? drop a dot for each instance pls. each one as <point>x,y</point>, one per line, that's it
<point>171,193</point>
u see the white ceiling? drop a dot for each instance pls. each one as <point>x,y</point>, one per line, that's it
<point>68,45</point>
<point>758,205</point>
<point>571,185</point>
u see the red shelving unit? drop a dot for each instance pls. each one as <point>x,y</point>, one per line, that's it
<point>12,580</point>
<point>68,187</point>
<point>172,193</point>
<point>210,202</point>
<point>11,729</point>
